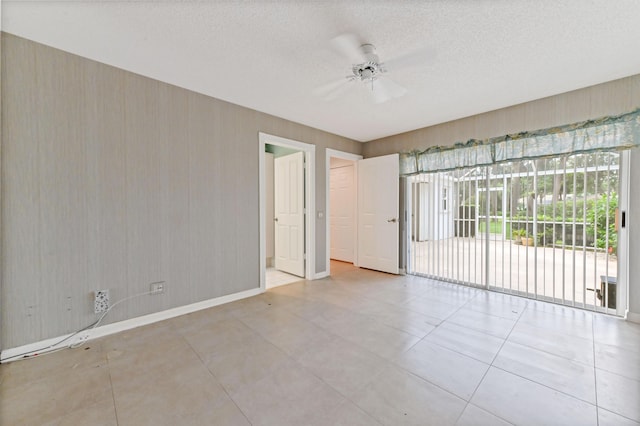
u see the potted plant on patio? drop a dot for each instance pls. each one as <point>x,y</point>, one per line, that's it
<point>518,235</point>
<point>527,240</point>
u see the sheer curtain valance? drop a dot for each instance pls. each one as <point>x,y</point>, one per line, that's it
<point>607,133</point>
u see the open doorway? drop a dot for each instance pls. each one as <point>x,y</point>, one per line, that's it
<point>287,237</point>
<point>341,208</point>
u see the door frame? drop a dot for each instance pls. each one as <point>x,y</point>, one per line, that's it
<point>622,304</point>
<point>309,196</point>
<point>345,156</point>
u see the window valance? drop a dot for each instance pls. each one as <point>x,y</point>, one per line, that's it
<point>608,133</point>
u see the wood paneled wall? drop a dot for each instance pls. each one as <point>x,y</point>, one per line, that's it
<point>111,180</point>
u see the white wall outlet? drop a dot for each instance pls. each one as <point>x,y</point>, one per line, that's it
<point>157,287</point>
<point>101,301</point>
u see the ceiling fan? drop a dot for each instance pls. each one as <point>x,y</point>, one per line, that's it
<point>369,71</point>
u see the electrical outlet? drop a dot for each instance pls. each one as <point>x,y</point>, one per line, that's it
<point>157,287</point>
<point>101,301</point>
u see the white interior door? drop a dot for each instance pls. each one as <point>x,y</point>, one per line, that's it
<point>342,215</point>
<point>378,220</point>
<point>289,213</point>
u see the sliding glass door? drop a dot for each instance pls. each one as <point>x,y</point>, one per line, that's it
<point>548,229</point>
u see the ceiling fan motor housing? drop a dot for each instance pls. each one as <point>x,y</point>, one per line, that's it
<point>371,68</point>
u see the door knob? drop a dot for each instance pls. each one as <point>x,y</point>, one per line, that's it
<point>275,219</point>
<point>394,220</point>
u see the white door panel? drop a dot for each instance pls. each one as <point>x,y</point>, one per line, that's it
<point>342,215</point>
<point>378,224</point>
<point>289,213</point>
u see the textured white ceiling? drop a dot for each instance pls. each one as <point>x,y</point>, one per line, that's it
<point>270,55</point>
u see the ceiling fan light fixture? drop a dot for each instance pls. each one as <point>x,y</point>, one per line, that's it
<point>367,69</point>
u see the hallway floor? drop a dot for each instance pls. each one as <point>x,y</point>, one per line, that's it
<point>358,348</point>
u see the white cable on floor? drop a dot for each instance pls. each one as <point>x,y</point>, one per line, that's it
<point>54,347</point>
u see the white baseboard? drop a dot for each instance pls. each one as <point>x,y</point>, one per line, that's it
<point>633,317</point>
<point>320,275</point>
<point>119,326</point>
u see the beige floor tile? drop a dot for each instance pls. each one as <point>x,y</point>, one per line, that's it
<point>490,324</point>
<point>246,306</point>
<point>397,296</point>
<point>414,323</point>
<point>270,321</point>
<point>607,418</point>
<point>168,396</point>
<point>448,296</point>
<point>618,394</point>
<point>570,377</point>
<point>497,304</point>
<point>288,396</point>
<point>450,370</point>
<point>475,344</point>
<point>547,340</point>
<point>47,399</point>
<point>397,397</point>
<point>573,325</point>
<point>348,414</point>
<point>523,402</point>
<point>371,307</point>
<point>432,308</point>
<point>275,278</point>
<point>344,366</point>
<point>159,353</point>
<point>244,364</point>
<point>619,360</point>
<point>48,367</point>
<point>102,413</point>
<point>614,331</point>
<point>474,416</point>
<point>219,336</point>
<point>335,320</point>
<point>307,308</point>
<point>297,338</point>
<point>382,340</point>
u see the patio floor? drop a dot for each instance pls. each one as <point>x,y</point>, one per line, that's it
<point>536,272</point>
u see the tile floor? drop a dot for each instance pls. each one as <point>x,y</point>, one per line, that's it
<point>276,278</point>
<point>359,348</point>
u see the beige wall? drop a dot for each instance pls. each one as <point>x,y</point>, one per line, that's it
<point>615,97</point>
<point>112,181</point>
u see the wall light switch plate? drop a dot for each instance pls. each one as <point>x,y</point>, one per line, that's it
<point>157,287</point>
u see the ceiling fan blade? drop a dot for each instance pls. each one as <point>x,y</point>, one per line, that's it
<point>348,45</point>
<point>332,90</point>
<point>378,92</point>
<point>390,87</point>
<point>420,57</point>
